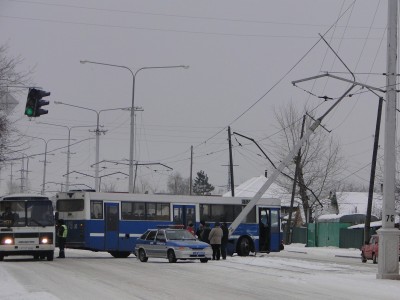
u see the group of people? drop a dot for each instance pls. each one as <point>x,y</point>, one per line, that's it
<point>217,237</point>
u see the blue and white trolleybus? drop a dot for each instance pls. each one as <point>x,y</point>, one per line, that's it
<point>113,221</point>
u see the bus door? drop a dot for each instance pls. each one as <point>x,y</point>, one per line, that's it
<point>111,231</point>
<point>184,214</point>
<point>264,225</point>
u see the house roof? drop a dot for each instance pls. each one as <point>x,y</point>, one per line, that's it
<point>250,187</point>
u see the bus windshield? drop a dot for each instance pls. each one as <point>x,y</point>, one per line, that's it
<point>20,213</point>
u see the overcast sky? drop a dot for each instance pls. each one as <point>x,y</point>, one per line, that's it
<point>242,55</point>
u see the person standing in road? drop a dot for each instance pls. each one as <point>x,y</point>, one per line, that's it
<point>215,238</point>
<point>206,233</point>
<point>190,228</point>
<point>224,241</point>
<point>199,230</point>
<point>62,233</point>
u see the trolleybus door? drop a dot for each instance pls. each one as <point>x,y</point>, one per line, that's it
<point>184,214</point>
<point>264,223</point>
<point>111,226</point>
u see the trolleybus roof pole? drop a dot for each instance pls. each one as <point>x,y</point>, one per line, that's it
<point>282,165</point>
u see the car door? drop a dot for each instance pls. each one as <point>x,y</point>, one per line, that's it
<point>149,242</point>
<point>160,247</point>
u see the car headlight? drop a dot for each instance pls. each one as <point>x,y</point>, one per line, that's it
<point>183,248</point>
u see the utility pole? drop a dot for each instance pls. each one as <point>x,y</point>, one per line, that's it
<point>367,225</point>
<point>388,257</point>
<point>191,171</point>
<point>231,163</point>
<point>296,172</point>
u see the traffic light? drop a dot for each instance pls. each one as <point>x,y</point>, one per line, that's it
<point>34,103</point>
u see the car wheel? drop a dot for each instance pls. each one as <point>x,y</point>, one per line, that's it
<point>142,256</point>
<point>171,256</point>
<point>243,248</point>
<point>374,258</point>
<point>204,260</point>
<point>363,258</point>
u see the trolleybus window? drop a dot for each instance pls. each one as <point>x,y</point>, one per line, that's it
<point>145,211</point>
<point>224,213</point>
<point>96,209</point>
<point>68,205</point>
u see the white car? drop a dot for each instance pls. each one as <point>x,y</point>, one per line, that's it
<point>172,244</point>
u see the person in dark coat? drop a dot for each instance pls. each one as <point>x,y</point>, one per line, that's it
<point>199,230</point>
<point>224,241</point>
<point>205,234</point>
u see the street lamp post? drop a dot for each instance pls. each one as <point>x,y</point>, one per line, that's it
<point>98,112</point>
<point>45,158</point>
<point>131,137</point>
<point>69,128</point>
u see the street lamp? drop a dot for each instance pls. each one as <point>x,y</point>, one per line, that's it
<point>131,138</point>
<point>98,112</point>
<point>69,128</point>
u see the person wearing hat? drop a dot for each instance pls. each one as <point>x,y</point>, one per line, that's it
<point>62,233</point>
<point>215,238</point>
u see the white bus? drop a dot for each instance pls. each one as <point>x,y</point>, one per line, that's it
<point>27,226</point>
<point>113,221</point>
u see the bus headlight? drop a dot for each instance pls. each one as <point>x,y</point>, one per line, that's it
<point>44,240</point>
<point>7,241</point>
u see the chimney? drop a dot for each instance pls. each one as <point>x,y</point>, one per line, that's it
<point>266,174</point>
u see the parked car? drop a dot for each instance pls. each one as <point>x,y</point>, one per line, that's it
<point>370,250</point>
<point>172,244</point>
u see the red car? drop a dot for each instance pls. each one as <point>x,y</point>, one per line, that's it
<point>370,250</point>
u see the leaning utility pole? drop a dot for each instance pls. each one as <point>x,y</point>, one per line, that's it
<point>367,225</point>
<point>388,257</point>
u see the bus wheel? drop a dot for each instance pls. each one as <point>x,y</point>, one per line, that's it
<point>36,256</point>
<point>142,256</point>
<point>50,256</point>
<point>171,256</point>
<point>243,247</point>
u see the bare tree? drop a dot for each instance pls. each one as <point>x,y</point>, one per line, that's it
<point>319,165</point>
<point>177,185</point>
<point>17,81</point>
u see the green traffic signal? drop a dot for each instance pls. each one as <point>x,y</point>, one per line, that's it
<point>34,103</point>
<point>29,111</point>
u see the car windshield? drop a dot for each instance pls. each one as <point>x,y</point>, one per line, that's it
<point>179,235</point>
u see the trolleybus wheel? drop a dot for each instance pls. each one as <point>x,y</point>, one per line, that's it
<point>120,254</point>
<point>142,256</point>
<point>171,256</point>
<point>243,248</point>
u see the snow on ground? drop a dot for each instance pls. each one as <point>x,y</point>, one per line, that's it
<point>324,276</point>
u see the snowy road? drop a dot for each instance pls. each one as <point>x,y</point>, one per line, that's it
<point>296,273</point>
